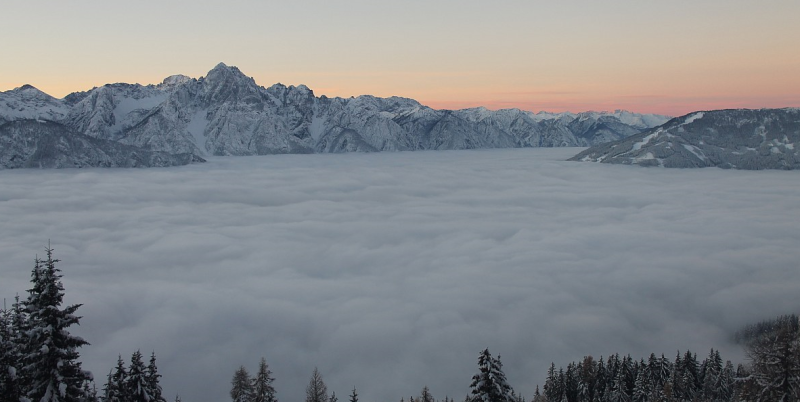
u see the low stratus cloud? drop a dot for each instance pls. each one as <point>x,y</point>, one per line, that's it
<point>392,271</point>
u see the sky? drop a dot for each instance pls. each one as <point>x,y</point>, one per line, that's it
<point>666,57</point>
<point>392,271</point>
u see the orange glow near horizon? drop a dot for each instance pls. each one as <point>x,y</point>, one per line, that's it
<point>461,91</point>
<point>667,58</point>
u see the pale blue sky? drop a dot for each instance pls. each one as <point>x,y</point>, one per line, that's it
<point>666,57</point>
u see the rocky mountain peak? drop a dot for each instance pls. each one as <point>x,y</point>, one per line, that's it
<point>174,80</point>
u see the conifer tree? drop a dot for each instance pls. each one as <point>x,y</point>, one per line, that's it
<point>354,395</point>
<point>263,391</point>
<point>425,395</point>
<point>137,384</point>
<point>333,397</point>
<point>723,388</point>
<point>619,389</point>
<point>601,381</point>
<point>773,346</point>
<point>710,370</point>
<point>152,378</point>
<point>316,391</point>
<point>7,359</point>
<point>241,386</point>
<point>551,386</point>
<point>641,388</point>
<point>537,396</point>
<point>489,384</point>
<point>19,326</point>
<point>116,387</point>
<point>691,376</point>
<point>571,382</point>
<point>51,367</point>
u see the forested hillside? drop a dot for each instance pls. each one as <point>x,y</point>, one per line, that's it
<point>40,362</point>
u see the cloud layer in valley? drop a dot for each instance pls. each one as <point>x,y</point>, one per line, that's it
<point>392,271</point>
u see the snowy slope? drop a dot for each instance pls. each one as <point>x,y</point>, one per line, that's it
<point>739,139</point>
<point>27,102</point>
<point>47,144</point>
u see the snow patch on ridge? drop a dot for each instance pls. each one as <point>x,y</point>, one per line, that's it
<point>197,127</point>
<point>316,127</point>
<point>637,146</point>
<point>696,152</point>
<point>127,105</point>
<point>694,117</point>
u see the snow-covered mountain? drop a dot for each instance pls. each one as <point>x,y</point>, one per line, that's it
<point>47,144</point>
<point>737,138</point>
<point>227,113</point>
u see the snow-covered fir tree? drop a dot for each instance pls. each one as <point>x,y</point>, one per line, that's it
<point>489,384</point>
<point>241,386</point>
<point>7,359</point>
<point>115,389</point>
<point>137,384</point>
<point>354,395</point>
<point>152,377</point>
<point>263,391</point>
<point>51,367</point>
<point>773,347</point>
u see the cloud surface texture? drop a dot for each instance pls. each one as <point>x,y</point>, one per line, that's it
<point>392,271</point>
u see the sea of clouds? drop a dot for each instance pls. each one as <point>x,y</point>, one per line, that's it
<point>392,271</point>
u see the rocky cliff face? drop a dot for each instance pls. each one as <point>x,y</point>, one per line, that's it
<point>46,144</point>
<point>738,139</point>
<point>227,113</point>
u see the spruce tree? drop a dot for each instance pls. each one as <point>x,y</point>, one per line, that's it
<point>263,391</point>
<point>241,386</point>
<point>691,376</point>
<point>538,397</point>
<point>152,377</point>
<point>773,346</point>
<point>425,395</point>
<point>137,385</point>
<point>551,386</point>
<point>51,367</point>
<point>7,360</point>
<point>18,319</point>
<point>489,384</point>
<point>316,391</point>
<point>354,395</point>
<point>711,369</point>
<point>116,387</point>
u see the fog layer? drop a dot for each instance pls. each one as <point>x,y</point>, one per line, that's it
<point>392,271</point>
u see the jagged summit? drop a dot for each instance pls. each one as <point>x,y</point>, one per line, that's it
<point>222,65</point>
<point>228,113</point>
<point>174,80</point>
<point>223,70</point>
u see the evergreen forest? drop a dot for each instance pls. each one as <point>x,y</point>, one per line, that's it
<point>40,362</point>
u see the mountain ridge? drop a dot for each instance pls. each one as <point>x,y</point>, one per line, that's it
<point>750,139</point>
<point>226,112</point>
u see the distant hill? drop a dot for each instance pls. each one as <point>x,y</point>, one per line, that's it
<point>735,139</point>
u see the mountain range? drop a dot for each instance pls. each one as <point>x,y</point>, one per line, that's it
<point>183,119</point>
<point>734,138</point>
